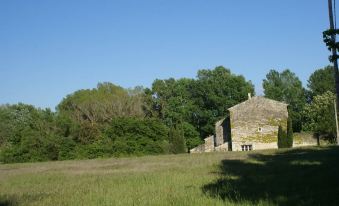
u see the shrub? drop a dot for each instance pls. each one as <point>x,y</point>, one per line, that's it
<point>177,141</point>
<point>136,136</point>
<point>289,141</point>
<point>282,138</point>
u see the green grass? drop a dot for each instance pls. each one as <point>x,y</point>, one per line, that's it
<point>286,177</point>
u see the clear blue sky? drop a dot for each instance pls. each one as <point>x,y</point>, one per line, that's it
<point>49,49</point>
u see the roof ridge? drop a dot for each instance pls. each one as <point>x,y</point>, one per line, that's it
<point>256,97</point>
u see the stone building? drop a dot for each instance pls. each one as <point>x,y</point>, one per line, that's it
<point>250,125</point>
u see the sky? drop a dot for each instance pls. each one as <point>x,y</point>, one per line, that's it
<point>49,49</point>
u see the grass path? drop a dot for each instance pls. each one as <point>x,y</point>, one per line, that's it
<point>233,178</point>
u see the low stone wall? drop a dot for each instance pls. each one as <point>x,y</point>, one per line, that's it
<point>222,148</point>
<point>304,139</point>
<point>208,146</point>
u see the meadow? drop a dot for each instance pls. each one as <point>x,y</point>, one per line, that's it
<point>307,176</point>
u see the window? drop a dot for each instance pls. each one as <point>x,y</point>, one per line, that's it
<point>246,147</point>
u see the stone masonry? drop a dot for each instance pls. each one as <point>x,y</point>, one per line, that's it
<point>255,123</point>
<point>250,125</point>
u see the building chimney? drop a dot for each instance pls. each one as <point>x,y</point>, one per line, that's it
<point>249,96</point>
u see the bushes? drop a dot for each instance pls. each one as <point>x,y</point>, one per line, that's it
<point>191,135</point>
<point>135,136</point>
<point>319,115</point>
<point>31,148</point>
<point>282,137</point>
<point>285,139</point>
<point>177,141</point>
<point>289,141</point>
<point>36,136</point>
<point>29,135</point>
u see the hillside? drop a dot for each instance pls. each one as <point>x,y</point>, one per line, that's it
<point>285,177</point>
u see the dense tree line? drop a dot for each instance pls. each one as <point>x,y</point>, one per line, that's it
<point>310,109</point>
<point>172,116</point>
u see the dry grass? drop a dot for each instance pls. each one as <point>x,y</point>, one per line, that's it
<point>151,180</point>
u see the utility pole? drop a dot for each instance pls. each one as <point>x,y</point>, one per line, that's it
<point>335,61</point>
<point>336,118</point>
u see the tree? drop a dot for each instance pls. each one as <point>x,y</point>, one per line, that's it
<point>136,136</point>
<point>321,81</point>
<point>85,111</point>
<point>289,141</point>
<point>177,141</point>
<point>287,87</point>
<point>213,93</point>
<point>282,138</point>
<point>102,104</point>
<point>171,100</point>
<point>29,134</point>
<point>191,135</point>
<point>199,102</point>
<point>320,116</point>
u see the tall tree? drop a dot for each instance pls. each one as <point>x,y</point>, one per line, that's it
<point>282,138</point>
<point>86,110</point>
<point>289,135</point>
<point>287,87</point>
<point>27,134</point>
<point>214,92</point>
<point>201,101</point>
<point>321,81</point>
<point>177,141</point>
<point>319,115</point>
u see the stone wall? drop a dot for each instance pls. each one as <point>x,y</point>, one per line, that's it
<point>222,148</point>
<point>219,132</point>
<point>255,122</point>
<point>304,139</point>
<point>208,146</point>
<point>222,131</point>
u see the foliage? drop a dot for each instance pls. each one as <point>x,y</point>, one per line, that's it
<point>289,141</point>
<point>135,136</point>
<point>28,135</point>
<point>172,116</point>
<point>198,102</point>
<point>84,112</point>
<point>321,81</point>
<point>191,135</point>
<point>330,41</point>
<point>287,87</point>
<point>177,141</point>
<point>102,104</point>
<point>320,116</point>
<point>214,92</point>
<point>285,139</point>
<point>282,138</point>
<point>171,100</point>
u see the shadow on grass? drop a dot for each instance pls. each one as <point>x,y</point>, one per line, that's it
<point>293,177</point>
<point>14,200</point>
<point>8,201</point>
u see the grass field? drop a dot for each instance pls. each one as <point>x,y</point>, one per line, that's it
<point>286,177</point>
